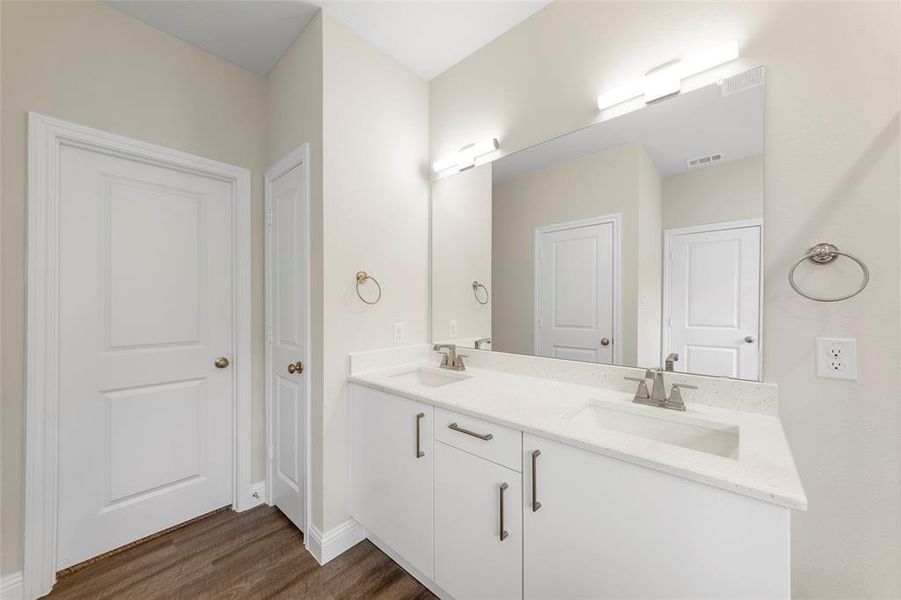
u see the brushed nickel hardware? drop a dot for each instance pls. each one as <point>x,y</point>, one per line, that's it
<point>419,452</point>
<point>221,362</point>
<point>475,292</point>
<point>671,358</point>
<point>451,359</point>
<point>605,341</point>
<point>295,367</point>
<point>823,254</point>
<point>535,503</point>
<point>675,401</point>
<point>481,436</point>
<point>479,342</point>
<point>749,339</point>
<point>362,277</point>
<point>503,532</point>
<point>642,392</point>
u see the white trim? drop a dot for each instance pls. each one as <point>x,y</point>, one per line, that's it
<point>298,156</point>
<point>616,220</point>
<point>45,138</point>
<point>334,542</point>
<point>668,235</point>
<point>11,586</point>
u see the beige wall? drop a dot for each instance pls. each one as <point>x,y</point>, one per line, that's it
<point>376,219</point>
<point>294,117</point>
<point>90,64</point>
<point>649,253</point>
<point>832,173</point>
<point>618,180</point>
<point>731,191</point>
<point>461,253</point>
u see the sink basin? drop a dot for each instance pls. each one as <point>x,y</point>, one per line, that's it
<point>429,377</point>
<point>695,434</point>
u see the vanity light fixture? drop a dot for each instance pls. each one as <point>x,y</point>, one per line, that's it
<point>466,156</point>
<point>666,79</point>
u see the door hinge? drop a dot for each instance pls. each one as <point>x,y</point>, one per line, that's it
<point>269,453</point>
<point>269,334</point>
<point>269,217</point>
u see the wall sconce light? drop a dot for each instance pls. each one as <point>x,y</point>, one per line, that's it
<point>666,80</point>
<point>466,157</point>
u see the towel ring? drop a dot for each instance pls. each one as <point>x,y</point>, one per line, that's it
<point>823,254</point>
<point>362,276</point>
<point>475,292</point>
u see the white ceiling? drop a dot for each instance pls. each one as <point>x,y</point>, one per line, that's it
<point>428,36</point>
<point>691,125</point>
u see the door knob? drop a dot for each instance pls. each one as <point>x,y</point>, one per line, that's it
<point>295,367</point>
<point>749,339</point>
<point>221,362</point>
<point>605,342</point>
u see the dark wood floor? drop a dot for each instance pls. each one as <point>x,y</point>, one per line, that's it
<point>254,554</point>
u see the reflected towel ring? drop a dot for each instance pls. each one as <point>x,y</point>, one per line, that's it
<point>362,276</point>
<point>823,254</point>
<point>475,292</point>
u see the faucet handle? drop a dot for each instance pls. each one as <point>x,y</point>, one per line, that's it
<point>684,386</point>
<point>642,391</point>
<point>675,400</point>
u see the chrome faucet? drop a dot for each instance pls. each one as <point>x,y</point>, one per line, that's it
<point>480,341</point>
<point>451,359</point>
<point>657,396</point>
<point>670,359</point>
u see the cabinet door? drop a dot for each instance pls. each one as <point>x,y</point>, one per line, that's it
<point>392,480</point>
<point>611,529</point>
<point>471,559</point>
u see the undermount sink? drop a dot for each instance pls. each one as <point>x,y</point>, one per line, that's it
<point>695,434</point>
<point>429,377</point>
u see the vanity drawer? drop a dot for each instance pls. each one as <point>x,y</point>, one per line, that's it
<point>503,445</point>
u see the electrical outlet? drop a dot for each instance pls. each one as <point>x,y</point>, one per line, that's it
<point>399,333</point>
<point>837,358</point>
<point>452,328</point>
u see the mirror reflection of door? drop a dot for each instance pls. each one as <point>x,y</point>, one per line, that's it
<point>712,295</point>
<point>575,290</point>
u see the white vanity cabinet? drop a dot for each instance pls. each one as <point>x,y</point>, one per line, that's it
<point>392,473</point>
<point>478,544</point>
<point>611,529</point>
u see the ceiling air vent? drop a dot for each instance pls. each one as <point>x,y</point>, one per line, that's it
<point>703,161</point>
<point>742,81</point>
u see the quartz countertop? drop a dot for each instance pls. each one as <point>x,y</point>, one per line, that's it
<point>763,469</point>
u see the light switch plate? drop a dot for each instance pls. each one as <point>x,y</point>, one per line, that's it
<point>837,358</point>
<point>399,333</point>
<point>452,328</point>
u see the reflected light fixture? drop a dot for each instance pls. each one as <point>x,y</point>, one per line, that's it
<point>666,79</point>
<point>465,158</point>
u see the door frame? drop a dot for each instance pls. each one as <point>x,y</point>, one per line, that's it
<point>668,235</point>
<point>298,156</point>
<point>616,220</point>
<point>46,137</point>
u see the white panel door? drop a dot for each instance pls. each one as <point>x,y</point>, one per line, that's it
<point>471,559</point>
<point>145,418</point>
<point>714,303</point>
<point>576,293</point>
<point>288,341</point>
<point>392,474</point>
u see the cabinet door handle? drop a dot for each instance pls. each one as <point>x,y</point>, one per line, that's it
<point>481,436</point>
<point>503,532</point>
<point>419,451</point>
<point>535,503</point>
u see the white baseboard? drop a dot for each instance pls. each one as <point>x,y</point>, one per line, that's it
<point>11,587</point>
<point>326,546</point>
<point>257,494</point>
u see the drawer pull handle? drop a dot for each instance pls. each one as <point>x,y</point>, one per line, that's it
<point>419,452</point>
<point>481,436</point>
<point>503,532</point>
<point>535,503</point>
